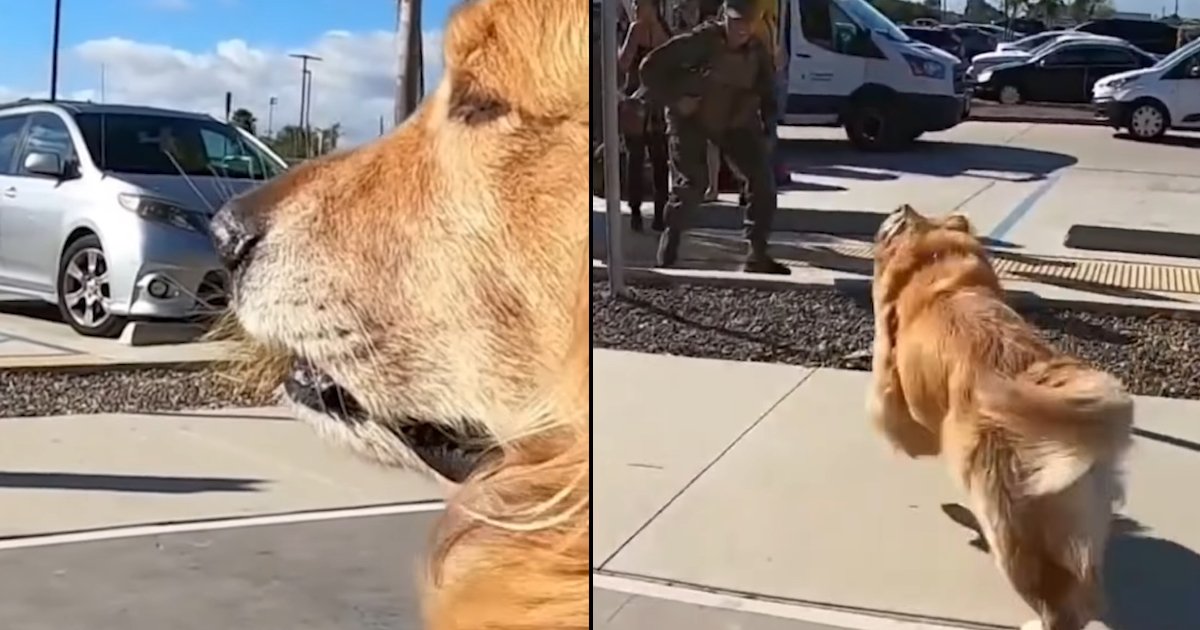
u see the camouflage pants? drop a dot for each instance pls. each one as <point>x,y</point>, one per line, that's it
<point>747,152</point>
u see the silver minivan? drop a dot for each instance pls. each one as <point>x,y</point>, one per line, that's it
<point>104,209</point>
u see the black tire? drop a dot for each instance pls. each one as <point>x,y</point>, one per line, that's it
<point>1000,95</point>
<point>874,127</point>
<point>1137,124</point>
<point>110,327</point>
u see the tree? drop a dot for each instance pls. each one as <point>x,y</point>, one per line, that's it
<point>1084,10</point>
<point>245,119</point>
<point>291,141</point>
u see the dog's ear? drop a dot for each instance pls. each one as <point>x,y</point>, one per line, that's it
<point>895,223</point>
<point>958,223</point>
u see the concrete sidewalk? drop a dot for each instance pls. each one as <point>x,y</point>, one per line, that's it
<point>751,482</point>
<point>73,473</point>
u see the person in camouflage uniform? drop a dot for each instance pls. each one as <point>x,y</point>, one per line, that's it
<point>717,83</point>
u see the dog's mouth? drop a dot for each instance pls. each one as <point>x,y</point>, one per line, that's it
<point>451,451</point>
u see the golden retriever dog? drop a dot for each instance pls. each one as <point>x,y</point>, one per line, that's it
<point>429,295</point>
<point>1033,437</point>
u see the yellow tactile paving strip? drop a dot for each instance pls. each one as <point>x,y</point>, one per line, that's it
<point>1106,273</point>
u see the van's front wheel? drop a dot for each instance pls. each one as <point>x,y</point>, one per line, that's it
<point>871,127</point>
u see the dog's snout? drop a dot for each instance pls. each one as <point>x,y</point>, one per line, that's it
<point>236,229</point>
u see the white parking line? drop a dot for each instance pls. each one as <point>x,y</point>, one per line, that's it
<point>784,610</point>
<point>217,524</point>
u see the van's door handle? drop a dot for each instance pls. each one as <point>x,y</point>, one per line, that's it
<point>10,192</point>
<point>805,55</point>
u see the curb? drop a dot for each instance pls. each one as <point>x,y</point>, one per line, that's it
<point>1043,120</point>
<point>862,288</point>
<point>94,365</point>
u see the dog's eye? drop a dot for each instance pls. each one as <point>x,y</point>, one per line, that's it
<point>472,105</point>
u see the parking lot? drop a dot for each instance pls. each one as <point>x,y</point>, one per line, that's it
<point>1026,187</point>
<point>245,519</point>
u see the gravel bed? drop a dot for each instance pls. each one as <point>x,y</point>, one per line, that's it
<point>51,393</point>
<point>1155,356</point>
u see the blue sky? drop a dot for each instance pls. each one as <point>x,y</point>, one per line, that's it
<point>26,28</point>
<point>187,54</point>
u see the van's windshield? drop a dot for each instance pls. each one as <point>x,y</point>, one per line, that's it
<point>870,18</point>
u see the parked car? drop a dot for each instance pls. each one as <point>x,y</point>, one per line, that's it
<point>1022,25</point>
<point>943,39</point>
<point>999,33</point>
<point>975,41</point>
<point>105,208</point>
<point>1147,102</point>
<point>982,62</point>
<point>1149,35</point>
<point>1062,74</point>
<point>1030,42</point>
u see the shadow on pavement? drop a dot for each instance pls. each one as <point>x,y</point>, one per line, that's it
<point>35,309</point>
<point>1171,140</point>
<point>1150,583</point>
<point>126,483</point>
<point>835,158</point>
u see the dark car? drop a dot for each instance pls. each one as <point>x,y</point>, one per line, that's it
<point>1029,26</point>
<point>936,37</point>
<point>1150,36</point>
<point>975,41</point>
<point>1064,75</point>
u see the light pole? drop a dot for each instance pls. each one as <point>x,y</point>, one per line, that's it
<point>271,102</point>
<point>54,54</point>
<point>305,92</point>
<point>409,81</point>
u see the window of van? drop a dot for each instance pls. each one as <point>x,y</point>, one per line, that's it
<point>825,24</point>
<point>11,128</point>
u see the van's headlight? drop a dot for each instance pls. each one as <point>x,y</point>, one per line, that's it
<point>984,77</point>
<point>923,67</point>
<point>1116,84</point>
<point>159,211</point>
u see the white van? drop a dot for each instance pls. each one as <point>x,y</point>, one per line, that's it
<point>850,66</point>
<point>1149,101</point>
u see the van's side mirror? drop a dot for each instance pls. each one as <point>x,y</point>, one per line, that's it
<point>1193,72</point>
<point>50,164</point>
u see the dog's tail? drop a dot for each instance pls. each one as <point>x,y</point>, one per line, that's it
<point>1063,419</point>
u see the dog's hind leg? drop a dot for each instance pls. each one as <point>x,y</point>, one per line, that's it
<point>1056,594</point>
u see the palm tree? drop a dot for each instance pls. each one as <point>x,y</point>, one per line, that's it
<point>409,82</point>
<point>245,119</point>
<point>1084,10</point>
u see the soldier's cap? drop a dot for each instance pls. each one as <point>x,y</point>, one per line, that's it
<point>738,9</point>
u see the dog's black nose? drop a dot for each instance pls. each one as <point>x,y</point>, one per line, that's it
<point>235,230</point>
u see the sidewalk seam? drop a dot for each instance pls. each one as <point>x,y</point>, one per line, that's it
<point>687,486</point>
<point>891,617</point>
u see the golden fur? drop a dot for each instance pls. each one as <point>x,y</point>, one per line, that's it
<point>439,274</point>
<point>1033,436</point>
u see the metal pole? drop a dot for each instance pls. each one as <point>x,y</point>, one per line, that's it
<point>612,155</point>
<point>54,54</point>
<point>308,112</point>
<point>271,116</point>
<point>305,91</point>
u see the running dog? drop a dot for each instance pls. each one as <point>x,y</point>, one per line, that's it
<point>1034,437</point>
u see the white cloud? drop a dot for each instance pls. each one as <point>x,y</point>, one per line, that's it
<point>354,84</point>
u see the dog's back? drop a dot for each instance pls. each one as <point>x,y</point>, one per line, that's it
<point>1043,477</point>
